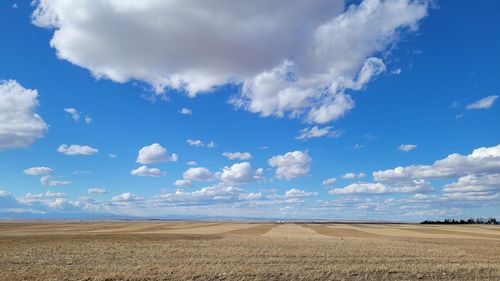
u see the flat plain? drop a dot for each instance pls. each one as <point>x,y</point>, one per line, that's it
<point>179,250</point>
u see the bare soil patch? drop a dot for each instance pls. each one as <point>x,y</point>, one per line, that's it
<point>240,251</point>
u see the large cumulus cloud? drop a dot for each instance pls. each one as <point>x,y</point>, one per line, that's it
<point>20,125</point>
<point>296,58</point>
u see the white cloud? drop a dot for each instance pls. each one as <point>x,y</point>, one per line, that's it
<point>486,152</point>
<point>332,49</point>
<point>76,149</point>
<point>291,164</point>
<point>417,186</point>
<point>44,202</point>
<point>199,143</point>
<point>42,196</point>
<point>174,157</point>
<point>329,181</point>
<point>317,132</point>
<point>38,171</point>
<point>198,174</point>
<point>241,173</point>
<point>46,178</point>
<point>332,109</point>
<point>237,155</point>
<point>50,181</point>
<point>269,190</point>
<point>20,126</point>
<point>396,174</point>
<point>477,173</point>
<point>154,153</point>
<point>206,195</point>
<point>183,183</point>
<point>319,90</point>
<point>361,188</point>
<point>97,190</point>
<point>297,193</point>
<point>474,183</point>
<point>483,103</point>
<point>126,197</point>
<point>75,115</point>
<point>81,172</point>
<point>462,197</point>
<point>112,155</point>
<point>481,160</point>
<point>350,176</point>
<point>397,71</point>
<point>144,170</point>
<point>250,196</point>
<point>8,201</point>
<point>196,143</point>
<point>73,112</point>
<point>407,147</point>
<point>436,213</point>
<point>224,190</point>
<point>186,111</point>
<point>192,163</point>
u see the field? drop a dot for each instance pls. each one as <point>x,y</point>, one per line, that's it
<point>246,251</point>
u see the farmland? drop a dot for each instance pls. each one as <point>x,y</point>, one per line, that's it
<point>162,250</point>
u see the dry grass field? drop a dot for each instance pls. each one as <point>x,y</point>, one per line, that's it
<point>246,251</point>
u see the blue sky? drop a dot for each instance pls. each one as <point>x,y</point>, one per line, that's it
<point>305,92</point>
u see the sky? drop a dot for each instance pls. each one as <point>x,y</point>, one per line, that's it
<point>355,110</point>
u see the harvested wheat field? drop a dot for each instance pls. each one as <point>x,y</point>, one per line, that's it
<point>246,251</point>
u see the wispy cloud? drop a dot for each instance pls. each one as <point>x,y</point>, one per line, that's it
<point>407,147</point>
<point>186,111</point>
<point>483,103</point>
<point>318,132</point>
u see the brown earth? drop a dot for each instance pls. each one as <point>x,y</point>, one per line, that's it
<point>246,251</point>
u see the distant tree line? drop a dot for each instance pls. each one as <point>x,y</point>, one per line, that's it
<point>469,221</point>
